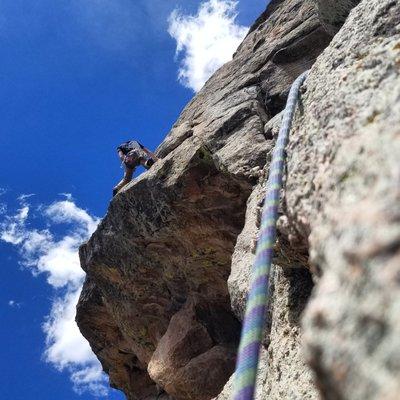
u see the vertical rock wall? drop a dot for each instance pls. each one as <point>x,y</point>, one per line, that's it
<point>343,193</point>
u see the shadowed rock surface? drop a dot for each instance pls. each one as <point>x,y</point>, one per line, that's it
<point>168,267</point>
<point>333,13</point>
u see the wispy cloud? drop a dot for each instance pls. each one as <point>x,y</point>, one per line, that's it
<point>3,206</point>
<point>14,304</point>
<point>56,256</point>
<point>67,349</point>
<point>23,197</point>
<point>207,40</point>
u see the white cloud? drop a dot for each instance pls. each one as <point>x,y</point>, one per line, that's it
<point>65,346</point>
<point>67,349</point>
<point>67,211</point>
<point>208,40</point>
<point>14,304</point>
<point>3,206</point>
<point>39,250</point>
<point>68,196</point>
<point>43,252</point>
<point>12,231</point>
<point>23,197</point>
<point>91,379</point>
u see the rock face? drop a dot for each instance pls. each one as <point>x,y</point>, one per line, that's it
<point>168,268</point>
<point>333,13</point>
<point>343,193</point>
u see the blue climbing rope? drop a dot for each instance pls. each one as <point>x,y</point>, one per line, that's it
<point>253,326</point>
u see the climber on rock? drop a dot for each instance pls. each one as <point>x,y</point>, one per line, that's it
<point>132,154</point>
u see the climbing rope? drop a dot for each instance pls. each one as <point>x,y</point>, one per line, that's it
<point>253,326</point>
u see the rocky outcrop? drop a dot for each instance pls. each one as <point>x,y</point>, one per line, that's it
<point>168,267</point>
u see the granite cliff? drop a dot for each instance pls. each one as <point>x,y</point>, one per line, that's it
<point>168,267</point>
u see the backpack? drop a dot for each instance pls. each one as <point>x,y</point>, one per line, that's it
<point>126,147</point>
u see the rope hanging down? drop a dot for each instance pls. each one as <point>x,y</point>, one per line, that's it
<point>253,326</point>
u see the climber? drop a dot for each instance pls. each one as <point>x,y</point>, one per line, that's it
<point>132,154</point>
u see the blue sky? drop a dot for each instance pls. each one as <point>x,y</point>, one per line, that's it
<point>77,78</point>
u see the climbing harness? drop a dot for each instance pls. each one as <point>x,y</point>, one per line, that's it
<point>253,325</point>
